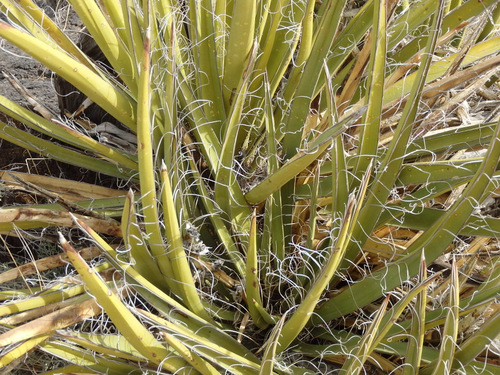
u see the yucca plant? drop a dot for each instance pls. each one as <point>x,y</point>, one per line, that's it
<point>299,165</point>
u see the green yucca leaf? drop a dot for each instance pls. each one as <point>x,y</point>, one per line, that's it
<point>446,170</point>
<point>41,300</point>
<point>416,338</point>
<point>252,279</point>
<point>219,226</point>
<point>21,350</point>
<point>283,175</point>
<point>176,254</point>
<point>207,58</point>
<point>131,328</point>
<point>474,226</point>
<point>370,131</point>
<point>437,317</point>
<point>270,319</point>
<point>309,78</point>
<point>273,236</point>
<point>102,32</point>
<point>475,344</point>
<point>147,169</point>
<point>117,13</point>
<point>306,43</point>
<point>135,242</point>
<point>339,180</point>
<point>456,171</point>
<point>446,140</point>
<point>227,190</point>
<point>450,330</point>
<point>239,47</point>
<point>279,38</point>
<point>306,271</point>
<point>410,21</point>
<point>268,359</point>
<point>346,41</point>
<point>169,104</point>
<point>110,344</point>
<point>456,139</point>
<point>314,211</point>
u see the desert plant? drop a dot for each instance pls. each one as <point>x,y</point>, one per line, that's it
<point>298,165</point>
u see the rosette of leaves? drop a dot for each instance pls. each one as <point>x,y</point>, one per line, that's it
<point>295,167</point>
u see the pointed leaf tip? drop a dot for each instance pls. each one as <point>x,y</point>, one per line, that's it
<point>130,195</point>
<point>66,245</point>
<point>62,240</point>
